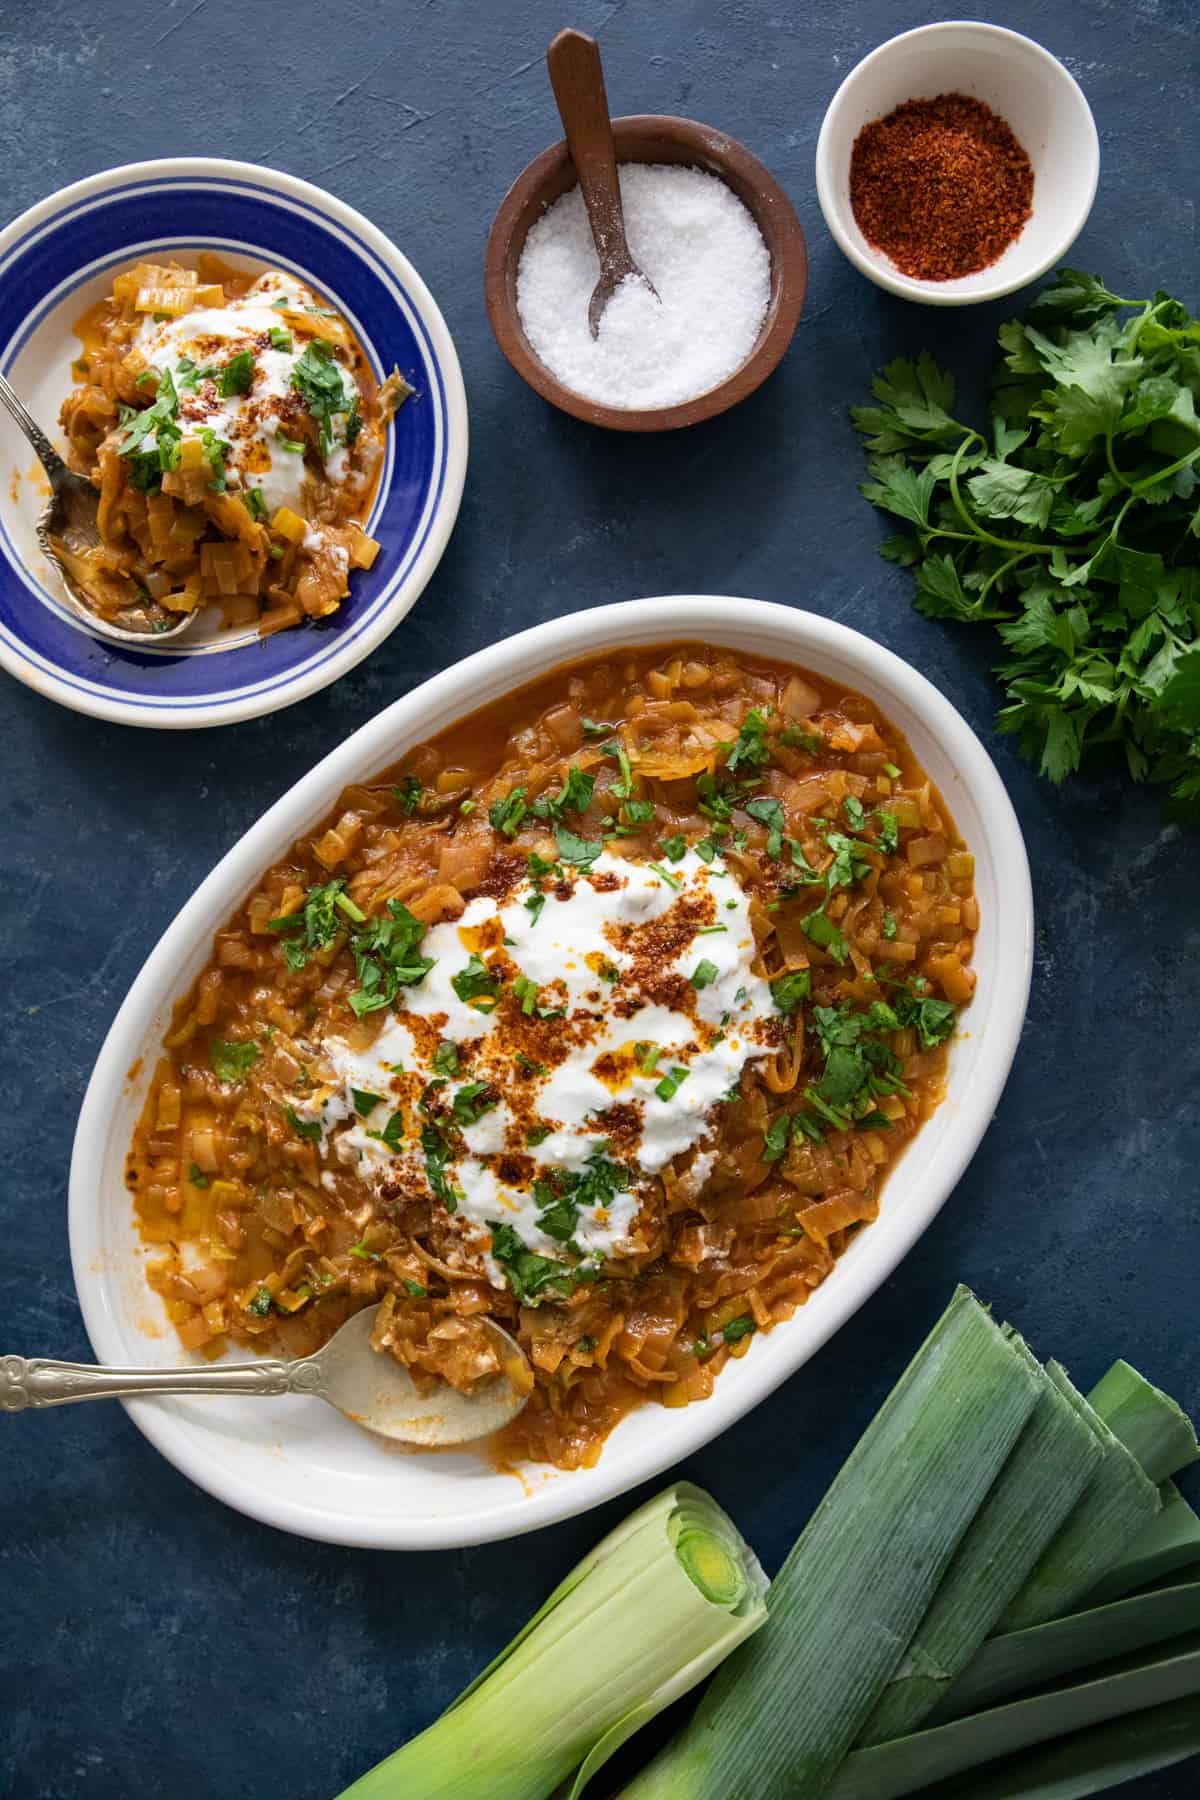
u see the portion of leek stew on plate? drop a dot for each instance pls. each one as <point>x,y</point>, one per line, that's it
<point>235,432</point>
<point>604,1015</point>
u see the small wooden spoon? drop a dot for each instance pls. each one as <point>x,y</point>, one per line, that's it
<point>577,77</point>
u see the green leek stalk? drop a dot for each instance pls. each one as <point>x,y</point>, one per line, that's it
<point>783,1711</point>
<point>1170,1542</point>
<point>1118,1503</point>
<point>908,1765</point>
<point>1090,1762</point>
<point>1055,1457</point>
<point>1148,1422</point>
<point>1024,1660</point>
<point>649,1613</point>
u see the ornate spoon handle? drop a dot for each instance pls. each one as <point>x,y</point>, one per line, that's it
<point>40,1382</point>
<point>50,460</point>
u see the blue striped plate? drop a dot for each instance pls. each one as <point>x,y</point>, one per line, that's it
<point>59,257</point>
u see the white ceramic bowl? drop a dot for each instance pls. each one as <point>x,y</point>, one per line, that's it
<point>1042,102</point>
<point>55,261</point>
<point>296,1464</point>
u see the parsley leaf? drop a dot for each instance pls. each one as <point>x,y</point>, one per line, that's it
<point>386,958</point>
<point>309,1129</point>
<point>791,990</point>
<point>475,981</point>
<point>532,1278</point>
<point>237,376</point>
<point>230,1062</point>
<point>580,852</point>
<point>326,389</point>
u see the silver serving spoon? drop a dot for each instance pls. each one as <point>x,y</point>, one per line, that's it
<point>371,1388</point>
<point>577,77</point>
<point>70,515</point>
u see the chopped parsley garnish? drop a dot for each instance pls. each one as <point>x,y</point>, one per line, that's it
<point>622,787</point>
<point>392,1134</point>
<point>415,1289</point>
<point>527,992</point>
<point>260,1306</point>
<point>506,815</point>
<point>738,1328</point>
<point>316,923</point>
<point>197,1177</point>
<point>216,449</point>
<point>751,750</point>
<point>280,339</point>
<point>889,926</point>
<point>595,728</point>
<point>575,796</point>
<point>445,1058</point>
<point>705,973</point>
<point>406,793</point>
<point>672,881</point>
<point>386,958</point>
<point>674,848</point>
<point>795,739</point>
<point>538,865</point>
<point>320,381</point>
<point>852,806</point>
<point>364,1255</point>
<point>527,1066</point>
<point>585,1344</point>
<point>769,812</point>
<point>309,1129</point>
<point>537,1136</point>
<point>237,376</point>
<point>472,1101</point>
<point>776,1139</point>
<point>476,981</point>
<point>437,1155</point>
<point>670,1084</point>
<point>649,1056</point>
<point>580,852</point>
<point>292,445</point>
<point>230,1062</point>
<point>533,906</point>
<point>364,1103</point>
<point>533,1278</point>
<point>821,930</point>
<point>791,990</point>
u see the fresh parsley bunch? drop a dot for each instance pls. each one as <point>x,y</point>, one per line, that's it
<point>1073,526</point>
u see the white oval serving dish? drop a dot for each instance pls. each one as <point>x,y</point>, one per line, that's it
<point>292,1461</point>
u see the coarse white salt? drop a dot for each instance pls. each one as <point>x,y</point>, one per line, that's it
<point>706,257</point>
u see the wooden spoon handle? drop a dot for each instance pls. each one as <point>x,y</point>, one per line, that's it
<point>577,77</point>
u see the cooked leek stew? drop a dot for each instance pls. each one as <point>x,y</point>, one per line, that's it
<point>605,1015</point>
<point>235,432</point>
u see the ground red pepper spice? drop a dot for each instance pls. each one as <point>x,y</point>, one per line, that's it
<point>941,186</point>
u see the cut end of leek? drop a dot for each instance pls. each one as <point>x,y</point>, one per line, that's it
<point>706,1560</point>
<point>655,1608</point>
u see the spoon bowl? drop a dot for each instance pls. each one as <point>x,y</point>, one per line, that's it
<point>67,524</point>
<point>650,138</point>
<point>367,1386</point>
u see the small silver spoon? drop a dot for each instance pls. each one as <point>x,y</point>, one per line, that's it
<point>70,514</point>
<point>371,1388</point>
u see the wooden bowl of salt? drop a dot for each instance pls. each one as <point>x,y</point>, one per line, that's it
<point>726,318</point>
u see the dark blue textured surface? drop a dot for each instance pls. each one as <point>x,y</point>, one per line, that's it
<point>153,1643</point>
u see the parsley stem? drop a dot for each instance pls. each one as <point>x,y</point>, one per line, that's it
<point>1140,487</point>
<point>976,531</point>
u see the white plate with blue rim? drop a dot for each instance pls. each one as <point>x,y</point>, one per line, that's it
<point>60,257</point>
